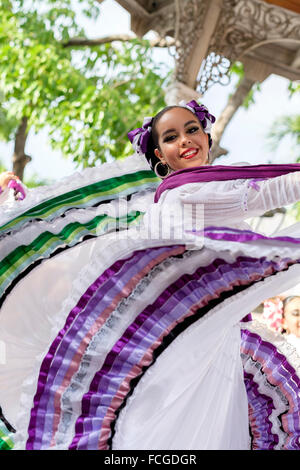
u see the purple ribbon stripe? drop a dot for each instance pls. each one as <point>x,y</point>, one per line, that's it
<point>283,384</point>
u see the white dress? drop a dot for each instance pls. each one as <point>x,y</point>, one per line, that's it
<point>118,341</point>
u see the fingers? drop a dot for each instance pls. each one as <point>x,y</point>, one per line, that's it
<point>6,177</point>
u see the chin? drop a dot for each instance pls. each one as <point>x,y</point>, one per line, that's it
<point>193,163</point>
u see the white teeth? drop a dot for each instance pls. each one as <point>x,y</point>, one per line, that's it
<point>189,153</point>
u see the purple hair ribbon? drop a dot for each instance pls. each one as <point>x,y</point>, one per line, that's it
<point>139,137</point>
<point>202,114</point>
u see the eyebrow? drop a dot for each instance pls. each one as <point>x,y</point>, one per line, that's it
<point>186,124</point>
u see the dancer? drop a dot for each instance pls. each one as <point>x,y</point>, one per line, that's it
<point>137,346</point>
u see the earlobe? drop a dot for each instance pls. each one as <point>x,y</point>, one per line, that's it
<point>284,326</point>
<point>159,155</point>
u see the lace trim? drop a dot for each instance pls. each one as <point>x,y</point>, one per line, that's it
<point>250,184</point>
<point>277,339</point>
<point>280,402</point>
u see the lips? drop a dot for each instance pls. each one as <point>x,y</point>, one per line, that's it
<point>189,153</point>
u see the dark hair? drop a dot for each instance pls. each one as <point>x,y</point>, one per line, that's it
<point>153,140</point>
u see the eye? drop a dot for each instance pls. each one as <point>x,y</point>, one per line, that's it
<point>193,129</point>
<point>295,313</point>
<point>169,138</point>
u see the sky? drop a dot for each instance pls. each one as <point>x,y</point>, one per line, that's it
<point>245,136</point>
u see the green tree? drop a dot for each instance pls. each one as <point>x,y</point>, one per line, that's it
<point>287,129</point>
<point>32,182</point>
<point>88,95</point>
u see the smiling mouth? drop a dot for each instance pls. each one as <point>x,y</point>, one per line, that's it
<point>190,153</point>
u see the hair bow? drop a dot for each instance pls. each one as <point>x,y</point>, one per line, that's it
<point>139,137</point>
<point>202,114</point>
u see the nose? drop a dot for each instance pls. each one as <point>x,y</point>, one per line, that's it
<point>185,140</point>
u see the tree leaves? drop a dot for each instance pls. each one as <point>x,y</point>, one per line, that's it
<point>89,98</point>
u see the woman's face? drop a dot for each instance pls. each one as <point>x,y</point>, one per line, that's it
<point>181,140</point>
<point>291,319</point>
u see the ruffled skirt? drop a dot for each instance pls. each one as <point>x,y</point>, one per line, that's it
<point>111,341</point>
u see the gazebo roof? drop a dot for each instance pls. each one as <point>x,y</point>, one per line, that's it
<point>146,7</point>
<point>263,34</point>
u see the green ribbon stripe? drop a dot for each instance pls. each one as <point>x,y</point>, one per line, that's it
<point>6,441</point>
<point>45,244</point>
<point>85,195</point>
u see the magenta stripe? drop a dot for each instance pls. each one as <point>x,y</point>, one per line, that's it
<point>221,233</point>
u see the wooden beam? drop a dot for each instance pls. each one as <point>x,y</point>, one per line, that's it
<point>292,5</point>
<point>276,68</point>
<point>296,61</point>
<point>200,50</point>
<point>256,70</point>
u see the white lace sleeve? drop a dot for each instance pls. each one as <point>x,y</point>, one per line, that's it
<point>262,196</point>
<point>241,199</point>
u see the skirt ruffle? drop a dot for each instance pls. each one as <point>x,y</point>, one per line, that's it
<point>271,371</point>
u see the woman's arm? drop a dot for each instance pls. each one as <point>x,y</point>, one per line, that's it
<point>263,196</point>
<point>236,200</point>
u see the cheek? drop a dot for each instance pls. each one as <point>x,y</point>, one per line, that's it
<point>168,150</point>
<point>289,320</point>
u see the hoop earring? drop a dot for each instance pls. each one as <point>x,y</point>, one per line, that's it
<point>166,169</point>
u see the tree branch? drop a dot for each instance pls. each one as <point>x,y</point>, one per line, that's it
<point>233,104</point>
<point>76,42</point>
<point>20,159</point>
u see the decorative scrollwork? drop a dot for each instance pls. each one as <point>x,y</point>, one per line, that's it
<point>214,70</point>
<point>256,22</point>
<point>243,25</point>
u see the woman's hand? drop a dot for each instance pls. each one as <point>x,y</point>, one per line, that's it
<point>5,178</point>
